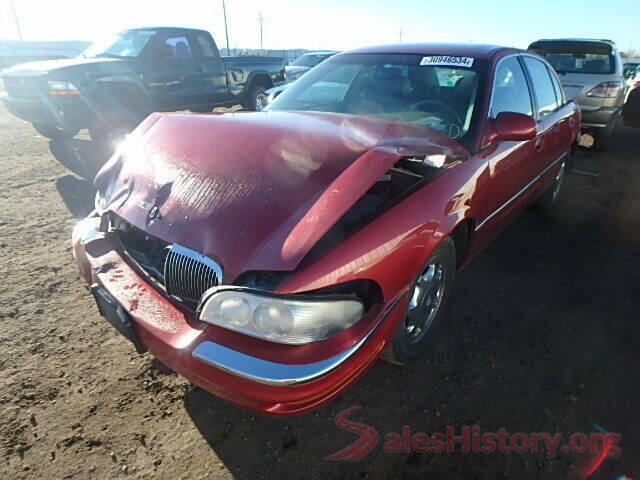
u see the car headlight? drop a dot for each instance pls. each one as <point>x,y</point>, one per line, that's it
<point>283,319</point>
<point>60,87</point>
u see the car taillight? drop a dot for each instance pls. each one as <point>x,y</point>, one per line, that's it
<point>605,90</point>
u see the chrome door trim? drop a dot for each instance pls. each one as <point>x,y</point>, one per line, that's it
<point>521,191</point>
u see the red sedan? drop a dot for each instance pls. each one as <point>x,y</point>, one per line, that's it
<point>271,257</point>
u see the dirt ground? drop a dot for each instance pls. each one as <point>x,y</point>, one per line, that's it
<point>543,337</point>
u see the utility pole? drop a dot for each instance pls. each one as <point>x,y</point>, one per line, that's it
<point>15,17</point>
<point>226,30</point>
<point>260,19</point>
<point>400,34</point>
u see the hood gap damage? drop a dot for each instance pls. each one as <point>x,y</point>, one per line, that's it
<point>400,181</point>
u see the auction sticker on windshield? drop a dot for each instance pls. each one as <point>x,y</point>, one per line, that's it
<point>441,61</point>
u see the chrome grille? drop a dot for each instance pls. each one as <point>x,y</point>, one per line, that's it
<point>188,274</point>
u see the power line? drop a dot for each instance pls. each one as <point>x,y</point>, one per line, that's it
<point>261,20</point>
<point>15,17</point>
<point>226,30</point>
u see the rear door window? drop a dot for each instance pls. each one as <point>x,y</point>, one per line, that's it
<point>543,87</point>
<point>557,88</point>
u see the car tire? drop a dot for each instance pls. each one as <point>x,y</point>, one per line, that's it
<point>257,98</point>
<point>602,137</point>
<point>111,126</point>
<point>550,196</point>
<point>422,325</point>
<point>54,132</point>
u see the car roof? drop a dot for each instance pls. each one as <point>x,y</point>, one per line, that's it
<point>590,40</point>
<point>165,28</point>
<point>322,52</point>
<point>475,50</point>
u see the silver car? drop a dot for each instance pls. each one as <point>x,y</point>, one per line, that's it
<point>304,63</point>
<point>591,74</point>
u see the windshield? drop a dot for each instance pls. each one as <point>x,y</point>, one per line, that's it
<point>127,44</point>
<point>579,62</point>
<point>309,60</point>
<point>393,87</point>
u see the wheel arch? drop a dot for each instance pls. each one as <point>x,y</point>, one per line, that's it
<point>120,93</point>
<point>460,228</point>
<point>258,78</point>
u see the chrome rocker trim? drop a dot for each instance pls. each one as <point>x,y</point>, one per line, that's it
<point>279,374</point>
<point>524,189</point>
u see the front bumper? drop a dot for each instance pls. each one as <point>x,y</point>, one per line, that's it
<point>246,371</point>
<point>67,113</point>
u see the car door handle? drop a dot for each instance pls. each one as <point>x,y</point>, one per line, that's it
<point>539,145</point>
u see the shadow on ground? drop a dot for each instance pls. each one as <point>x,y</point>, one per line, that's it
<point>542,337</point>
<point>78,195</point>
<point>80,156</point>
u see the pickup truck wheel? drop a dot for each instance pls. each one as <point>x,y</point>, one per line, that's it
<point>53,132</point>
<point>257,99</point>
<point>109,128</point>
<point>422,325</point>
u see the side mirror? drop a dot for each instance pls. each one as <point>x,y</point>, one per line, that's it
<point>513,126</point>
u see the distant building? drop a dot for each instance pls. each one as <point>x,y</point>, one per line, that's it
<point>13,52</point>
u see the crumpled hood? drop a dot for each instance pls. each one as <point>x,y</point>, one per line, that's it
<point>254,190</point>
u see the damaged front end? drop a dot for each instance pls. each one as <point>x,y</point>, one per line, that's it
<point>219,231</point>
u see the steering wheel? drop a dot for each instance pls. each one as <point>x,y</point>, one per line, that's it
<point>444,108</point>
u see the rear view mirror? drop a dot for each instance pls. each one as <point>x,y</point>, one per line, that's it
<point>513,126</point>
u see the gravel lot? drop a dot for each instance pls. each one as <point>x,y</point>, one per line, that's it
<point>543,337</point>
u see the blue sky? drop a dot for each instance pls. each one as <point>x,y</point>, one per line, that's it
<point>332,23</point>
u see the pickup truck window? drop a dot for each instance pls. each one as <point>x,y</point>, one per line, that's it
<point>180,46</point>
<point>393,87</point>
<point>206,45</point>
<point>127,44</point>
